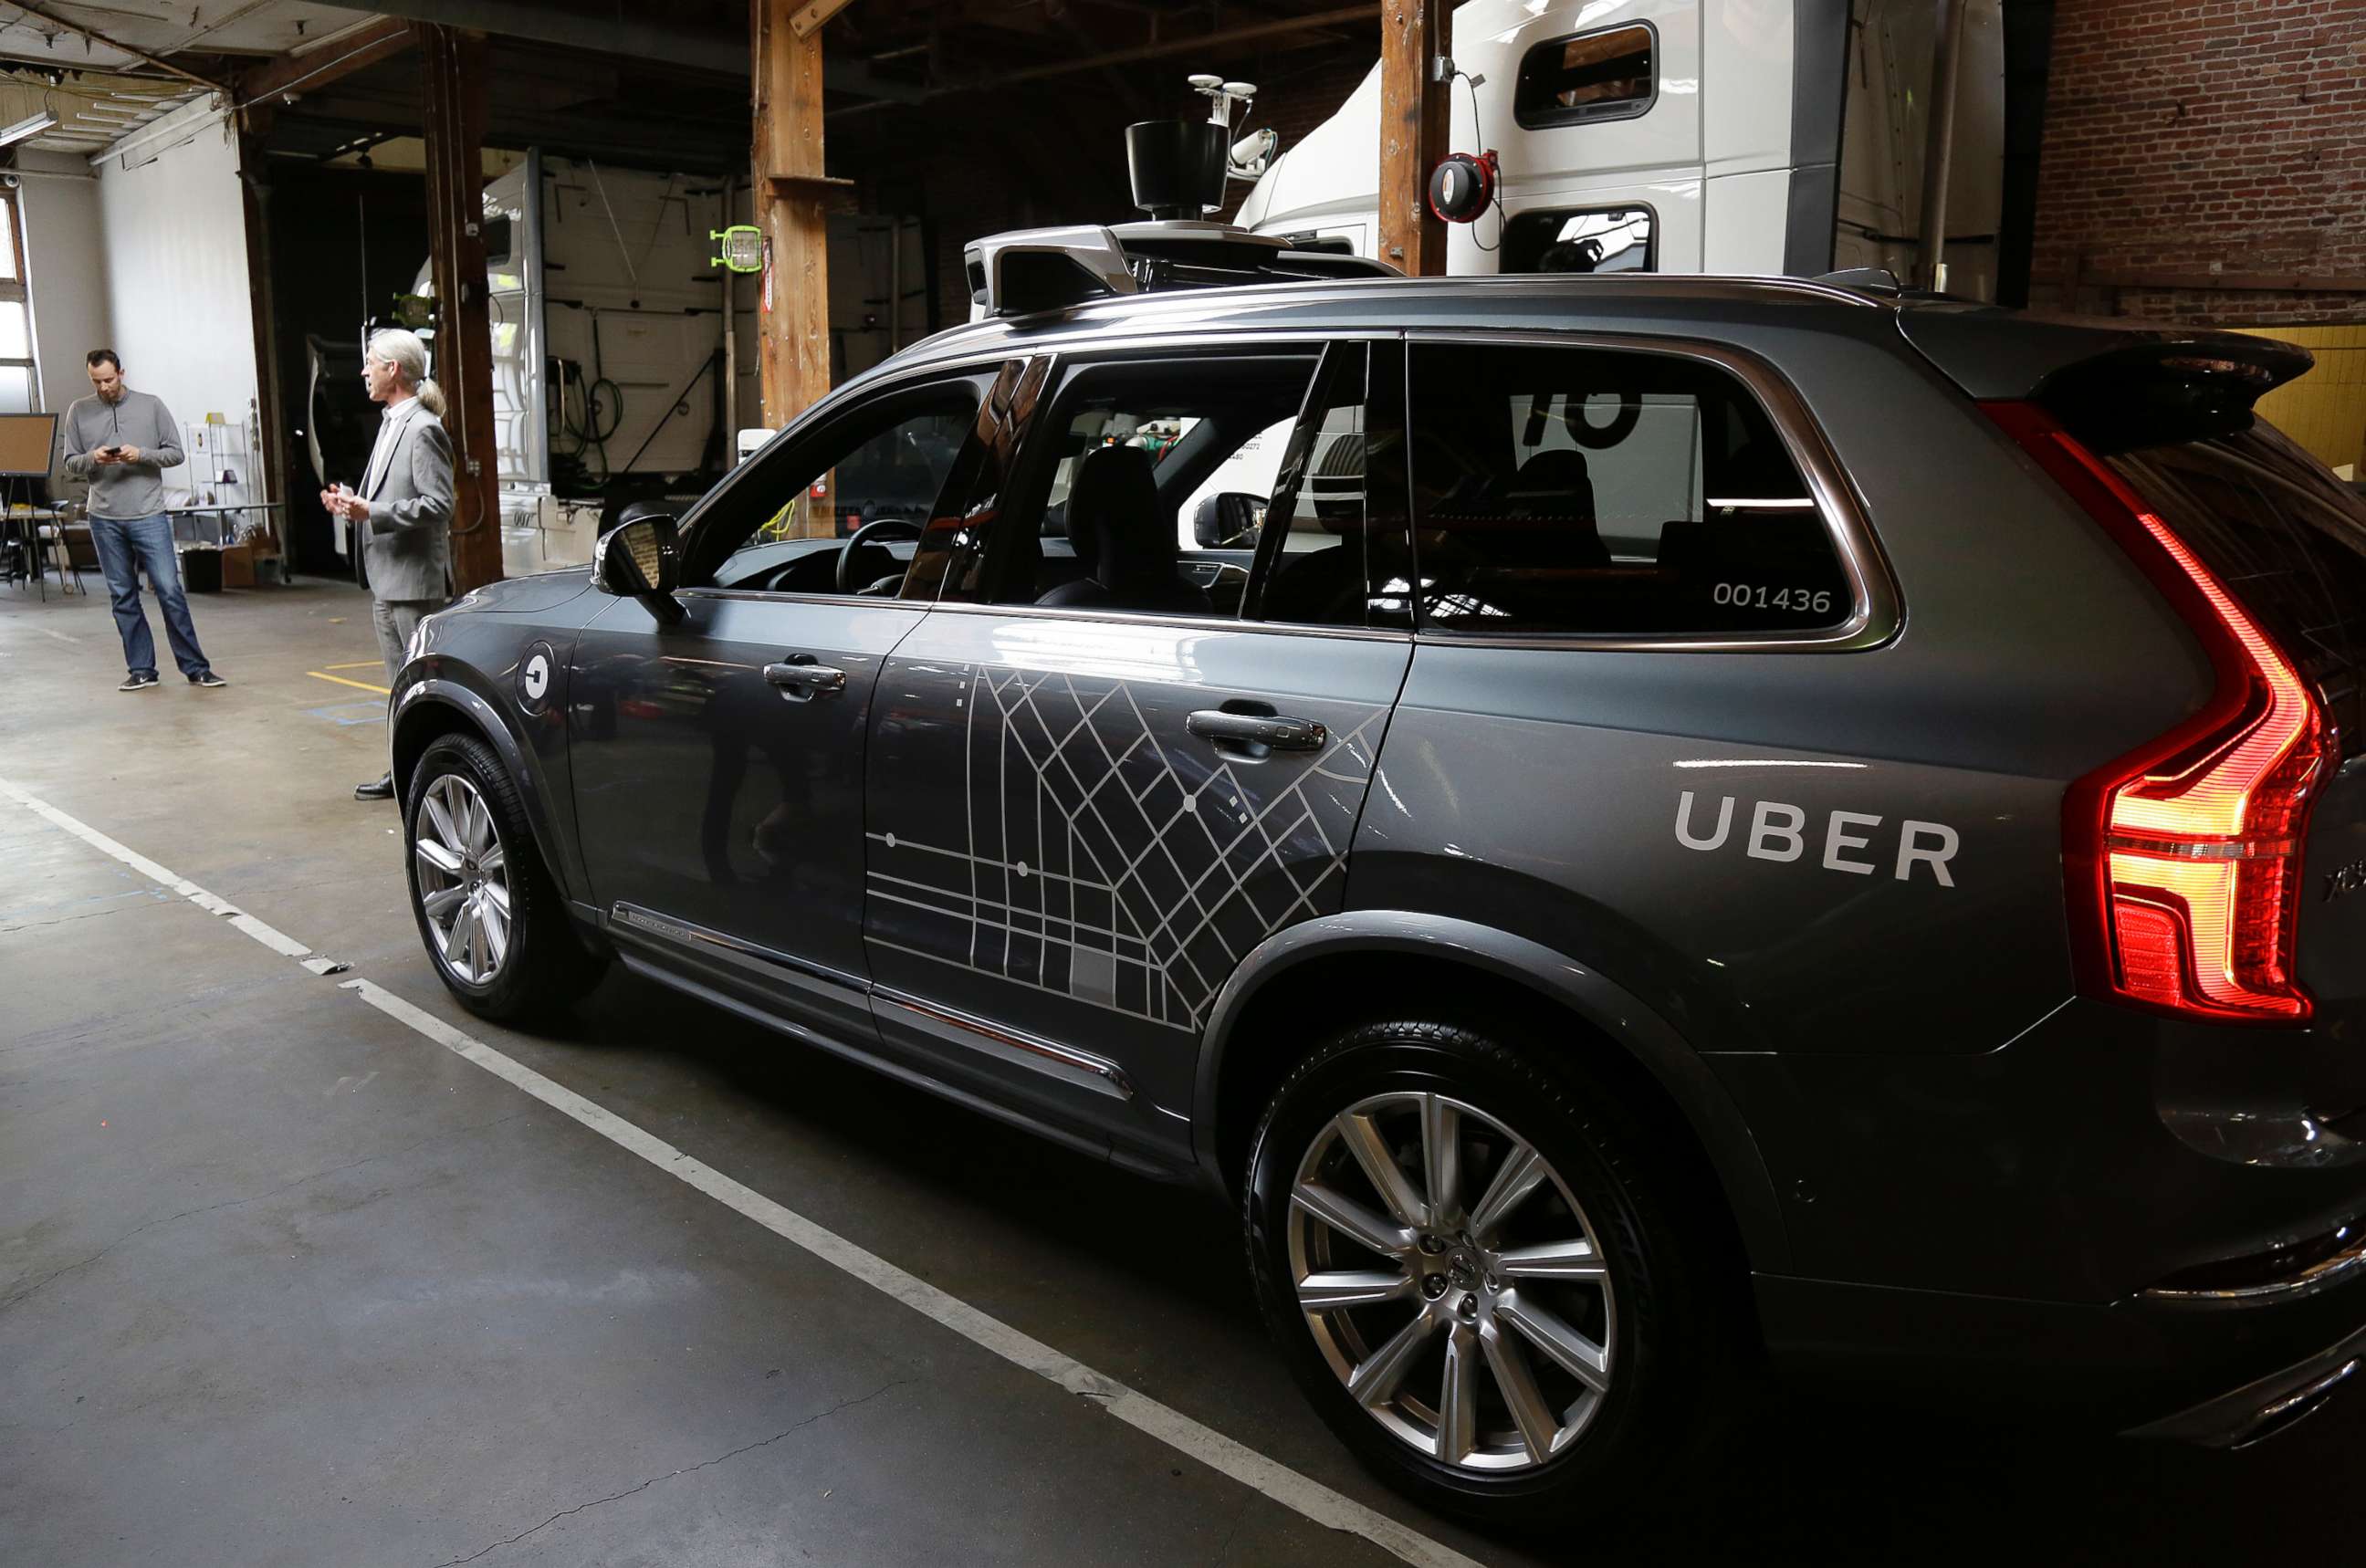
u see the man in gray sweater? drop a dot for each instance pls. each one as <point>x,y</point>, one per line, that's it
<point>122,441</point>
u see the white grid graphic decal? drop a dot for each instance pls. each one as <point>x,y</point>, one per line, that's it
<point>1109,857</point>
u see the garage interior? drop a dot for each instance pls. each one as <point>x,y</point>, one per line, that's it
<point>288,1275</point>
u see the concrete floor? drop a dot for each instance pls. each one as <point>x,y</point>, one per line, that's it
<point>281,1281</point>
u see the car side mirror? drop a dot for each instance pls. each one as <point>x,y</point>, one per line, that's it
<point>1228,521</point>
<point>641,559</point>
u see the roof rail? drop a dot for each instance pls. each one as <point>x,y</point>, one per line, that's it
<point>1024,271</point>
<point>1875,277</point>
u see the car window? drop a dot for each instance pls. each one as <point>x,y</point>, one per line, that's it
<point>1182,487</point>
<point>888,469</point>
<point>1132,502</point>
<point>1593,492</point>
<point>1334,545</point>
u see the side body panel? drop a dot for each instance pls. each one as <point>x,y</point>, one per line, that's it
<point>1052,852</point>
<point>715,800</point>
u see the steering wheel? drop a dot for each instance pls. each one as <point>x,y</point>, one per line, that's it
<point>878,528</point>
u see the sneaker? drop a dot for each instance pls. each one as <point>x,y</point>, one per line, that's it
<point>208,678</point>
<point>137,682</point>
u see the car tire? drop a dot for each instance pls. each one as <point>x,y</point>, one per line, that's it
<point>1652,1317</point>
<point>479,859</point>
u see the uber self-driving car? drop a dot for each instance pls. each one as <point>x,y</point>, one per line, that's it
<point>1636,824</point>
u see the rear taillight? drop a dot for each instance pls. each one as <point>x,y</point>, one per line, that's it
<point>2183,856</point>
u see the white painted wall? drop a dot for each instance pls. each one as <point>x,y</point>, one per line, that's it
<point>66,273</point>
<point>176,263</point>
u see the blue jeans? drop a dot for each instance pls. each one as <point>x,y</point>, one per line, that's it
<point>146,542</point>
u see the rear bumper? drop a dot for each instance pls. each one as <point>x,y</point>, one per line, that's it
<point>2220,1373</point>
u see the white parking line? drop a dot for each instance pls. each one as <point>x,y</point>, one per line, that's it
<point>280,942</point>
<point>1300,1493</point>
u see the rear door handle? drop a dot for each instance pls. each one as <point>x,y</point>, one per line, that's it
<point>801,674</point>
<point>1257,730</point>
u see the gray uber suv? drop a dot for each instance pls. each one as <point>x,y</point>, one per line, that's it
<point>1636,826</point>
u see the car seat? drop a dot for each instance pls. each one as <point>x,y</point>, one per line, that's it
<point>1115,522</point>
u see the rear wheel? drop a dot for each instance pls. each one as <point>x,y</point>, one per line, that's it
<point>1477,1281</point>
<point>492,919</point>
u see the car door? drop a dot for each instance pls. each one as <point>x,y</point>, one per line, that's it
<point>1087,810</point>
<point>718,760</point>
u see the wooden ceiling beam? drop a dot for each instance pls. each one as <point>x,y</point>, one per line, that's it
<point>312,70</point>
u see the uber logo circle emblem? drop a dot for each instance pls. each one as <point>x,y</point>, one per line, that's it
<point>535,670</point>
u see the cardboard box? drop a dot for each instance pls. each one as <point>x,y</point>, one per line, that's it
<point>238,566</point>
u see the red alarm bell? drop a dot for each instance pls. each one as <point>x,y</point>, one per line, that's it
<point>1462,187</point>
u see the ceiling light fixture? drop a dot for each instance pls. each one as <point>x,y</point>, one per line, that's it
<point>32,124</point>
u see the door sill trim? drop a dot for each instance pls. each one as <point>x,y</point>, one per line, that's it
<point>741,955</point>
<point>1080,1067</point>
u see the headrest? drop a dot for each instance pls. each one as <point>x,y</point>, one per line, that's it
<point>1113,517</point>
<point>1554,484</point>
<point>1105,477</point>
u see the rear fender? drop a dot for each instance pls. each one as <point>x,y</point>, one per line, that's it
<point>1625,1024</point>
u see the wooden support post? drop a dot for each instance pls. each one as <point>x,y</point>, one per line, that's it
<point>1414,132</point>
<point>455,64</point>
<point>271,422</point>
<point>794,197</point>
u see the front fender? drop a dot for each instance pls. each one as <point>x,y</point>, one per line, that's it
<point>431,689</point>
<point>1614,1012</point>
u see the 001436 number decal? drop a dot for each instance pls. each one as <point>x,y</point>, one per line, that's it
<point>1818,600</point>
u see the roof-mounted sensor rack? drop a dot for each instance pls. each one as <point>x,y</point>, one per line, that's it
<point>1028,270</point>
<point>1178,169</point>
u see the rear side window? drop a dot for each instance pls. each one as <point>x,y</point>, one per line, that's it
<point>1597,492</point>
<point>1572,80</point>
<point>2284,535</point>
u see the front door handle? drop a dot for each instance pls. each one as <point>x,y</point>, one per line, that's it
<point>801,675</point>
<point>1257,730</point>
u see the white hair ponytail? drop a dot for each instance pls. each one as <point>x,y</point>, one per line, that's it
<point>407,354</point>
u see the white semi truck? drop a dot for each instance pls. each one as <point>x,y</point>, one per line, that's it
<point>1726,136</point>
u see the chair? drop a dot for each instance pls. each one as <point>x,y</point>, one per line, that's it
<point>1114,521</point>
<point>52,538</point>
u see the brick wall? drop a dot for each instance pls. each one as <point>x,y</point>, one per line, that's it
<point>2193,142</point>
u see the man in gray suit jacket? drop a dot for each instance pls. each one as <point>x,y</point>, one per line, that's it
<point>402,513</point>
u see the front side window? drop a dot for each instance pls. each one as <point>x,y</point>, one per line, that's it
<point>1600,492</point>
<point>1610,74</point>
<point>782,528</point>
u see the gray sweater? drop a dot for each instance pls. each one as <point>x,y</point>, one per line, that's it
<point>141,420</point>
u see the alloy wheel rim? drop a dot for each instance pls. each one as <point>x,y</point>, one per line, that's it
<point>1452,1282</point>
<point>464,879</point>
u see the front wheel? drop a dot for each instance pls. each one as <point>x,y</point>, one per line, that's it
<point>1474,1275</point>
<point>493,920</point>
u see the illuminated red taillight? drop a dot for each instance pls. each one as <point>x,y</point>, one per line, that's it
<point>2183,857</point>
